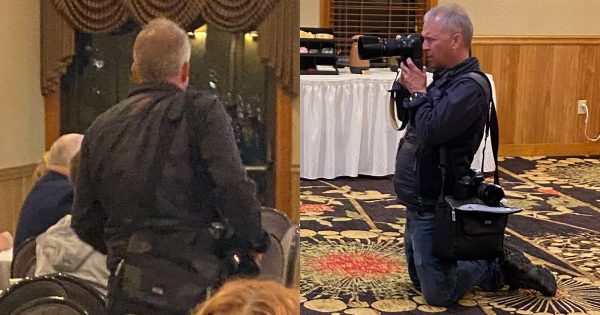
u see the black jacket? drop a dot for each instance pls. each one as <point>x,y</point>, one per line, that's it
<point>163,154</point>
<point>452,114</point>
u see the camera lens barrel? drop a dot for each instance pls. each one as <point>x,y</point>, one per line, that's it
<point>490,194</point>
<point>372,47</point>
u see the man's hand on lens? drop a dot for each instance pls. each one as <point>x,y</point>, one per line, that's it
<point>401,78</point>
<point>413,78</point>
<point>399,61</point>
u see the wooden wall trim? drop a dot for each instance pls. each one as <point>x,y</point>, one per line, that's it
<point>539,80</point>
<point>324,12</point>
<point>537,40</point>
<point>52,117</point>
<point>283,152</point>
<point>15,184</point>
<point>17,172</point>
<point>551,149</point>
<point>295,170</point>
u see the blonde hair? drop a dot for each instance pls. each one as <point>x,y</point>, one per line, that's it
<point>160,49</point>
<point>252,297</point>
<point>42,167</point>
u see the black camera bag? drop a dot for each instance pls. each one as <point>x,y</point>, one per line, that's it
<point>468,229</point>
<point>163,271</point>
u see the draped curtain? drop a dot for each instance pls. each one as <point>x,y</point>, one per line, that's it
<point>277,22</point>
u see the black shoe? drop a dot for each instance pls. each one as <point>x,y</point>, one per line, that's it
<point>520,273</point>
<point>513,256</point>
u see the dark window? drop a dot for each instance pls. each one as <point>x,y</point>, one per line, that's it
<point>383,18</point>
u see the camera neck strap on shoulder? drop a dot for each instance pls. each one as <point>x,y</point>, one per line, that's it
<point>395,105</point>
<point>491,129</point>
<point>190,114</point>
<point>491,124</point>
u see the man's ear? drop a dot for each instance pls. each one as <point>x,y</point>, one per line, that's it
<point>457,39</point>
<point>185,72</point>
<point>135,75</point>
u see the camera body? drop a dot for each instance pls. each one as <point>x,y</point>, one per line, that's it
<point>410,46</point>
<point>473,185</point>
<point>236,260</point>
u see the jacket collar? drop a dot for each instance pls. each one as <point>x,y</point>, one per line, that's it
<point>467,65</point>
<point>154,87</point>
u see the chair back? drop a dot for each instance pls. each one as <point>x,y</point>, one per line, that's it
<point>23,263</point>
<point>55,305</point>
<point>41,295</point>
<point>85,293</point>
<point>290,245</point>
<point>276,224</point>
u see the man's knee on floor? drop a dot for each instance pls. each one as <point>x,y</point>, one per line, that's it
<point>437,298</point>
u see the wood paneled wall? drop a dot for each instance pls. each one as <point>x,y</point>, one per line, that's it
<point>538,82</point>
<point>15,184</point>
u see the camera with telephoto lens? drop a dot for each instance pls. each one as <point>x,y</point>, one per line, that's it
<point>410,46</point>
<point>472,185</point>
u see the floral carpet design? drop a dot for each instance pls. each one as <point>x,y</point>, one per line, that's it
<point>352,257</point>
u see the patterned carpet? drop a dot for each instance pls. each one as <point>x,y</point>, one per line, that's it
<point>352,259</point>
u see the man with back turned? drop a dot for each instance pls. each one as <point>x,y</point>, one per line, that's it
<point>160,173</point>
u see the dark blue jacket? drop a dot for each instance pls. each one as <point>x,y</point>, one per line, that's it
<point>50,199</point>
<point>452,114</point>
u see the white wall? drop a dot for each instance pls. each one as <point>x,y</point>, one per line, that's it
<point>21,108</point>
<point>310,13</point>
<point>532,17</point>
<point>511,17</point>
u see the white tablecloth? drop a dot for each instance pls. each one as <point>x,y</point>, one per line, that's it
<point>345,129</point>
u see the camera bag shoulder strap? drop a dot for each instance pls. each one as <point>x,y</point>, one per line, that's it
<point>191,115</point>
<point>491,127</point>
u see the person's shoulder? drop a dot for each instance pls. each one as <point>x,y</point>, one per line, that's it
<point>52,178</point>
<point>200,98</point>
<point>108,116</point>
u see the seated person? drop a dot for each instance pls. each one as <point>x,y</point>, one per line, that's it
<point>51,197</point>
<point>252,297</point>
<point>59,249</point>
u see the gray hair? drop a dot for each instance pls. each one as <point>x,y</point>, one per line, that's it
<point>64,148</point>
<point>454,17</point>
<point>160,49</point>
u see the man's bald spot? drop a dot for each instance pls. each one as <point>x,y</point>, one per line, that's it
<point>64,148</point>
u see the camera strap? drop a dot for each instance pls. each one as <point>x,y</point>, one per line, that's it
<point>395,108</point>
<point>491,125</point>
<point>491,128</point>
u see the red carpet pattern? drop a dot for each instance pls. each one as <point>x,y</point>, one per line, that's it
<point>352,258</point>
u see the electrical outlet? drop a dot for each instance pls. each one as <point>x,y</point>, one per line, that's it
<point>581,104</point>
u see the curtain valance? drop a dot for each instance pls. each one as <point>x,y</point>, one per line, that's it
<point>277,22</point>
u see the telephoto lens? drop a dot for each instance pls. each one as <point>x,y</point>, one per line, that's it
<point>490,194</point>
<point>372,47</point>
